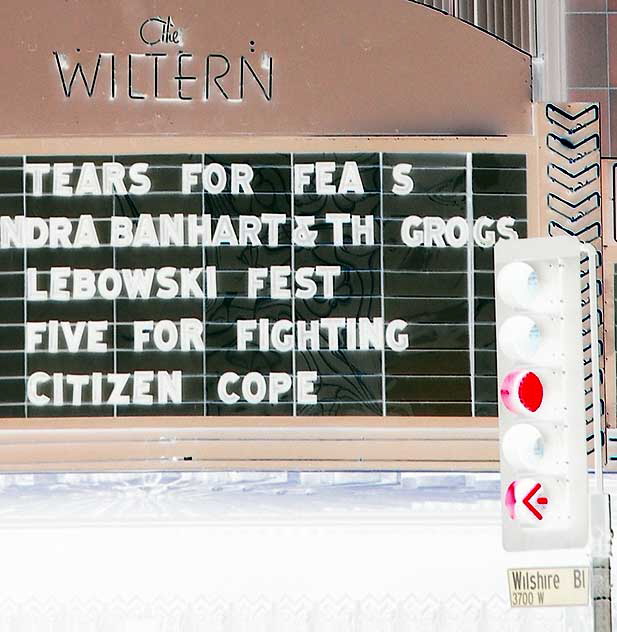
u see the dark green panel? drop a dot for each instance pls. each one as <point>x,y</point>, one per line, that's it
<point>427,285</point>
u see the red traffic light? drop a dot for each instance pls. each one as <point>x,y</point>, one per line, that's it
<point>522,392</point>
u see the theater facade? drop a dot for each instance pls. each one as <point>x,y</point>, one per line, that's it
<point>261,236</point>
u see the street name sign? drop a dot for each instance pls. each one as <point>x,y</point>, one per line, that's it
<point>542,587</point>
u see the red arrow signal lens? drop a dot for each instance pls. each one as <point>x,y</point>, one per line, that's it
<point>521,502</point>
<point>522,392</point>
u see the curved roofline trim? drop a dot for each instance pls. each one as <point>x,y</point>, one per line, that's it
<point>472,25</point>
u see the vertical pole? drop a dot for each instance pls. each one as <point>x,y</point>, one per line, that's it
<point>600,514</point>
<point>601,593</point>
<point>601,539</point>
<point>549,81</point>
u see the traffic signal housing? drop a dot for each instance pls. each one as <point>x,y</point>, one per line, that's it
<point>541,393</point>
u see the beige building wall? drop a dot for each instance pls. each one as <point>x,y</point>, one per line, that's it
<point>591,59</point>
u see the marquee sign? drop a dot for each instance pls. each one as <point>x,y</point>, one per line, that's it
<point>287,284</point>
<point>248,236</point>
